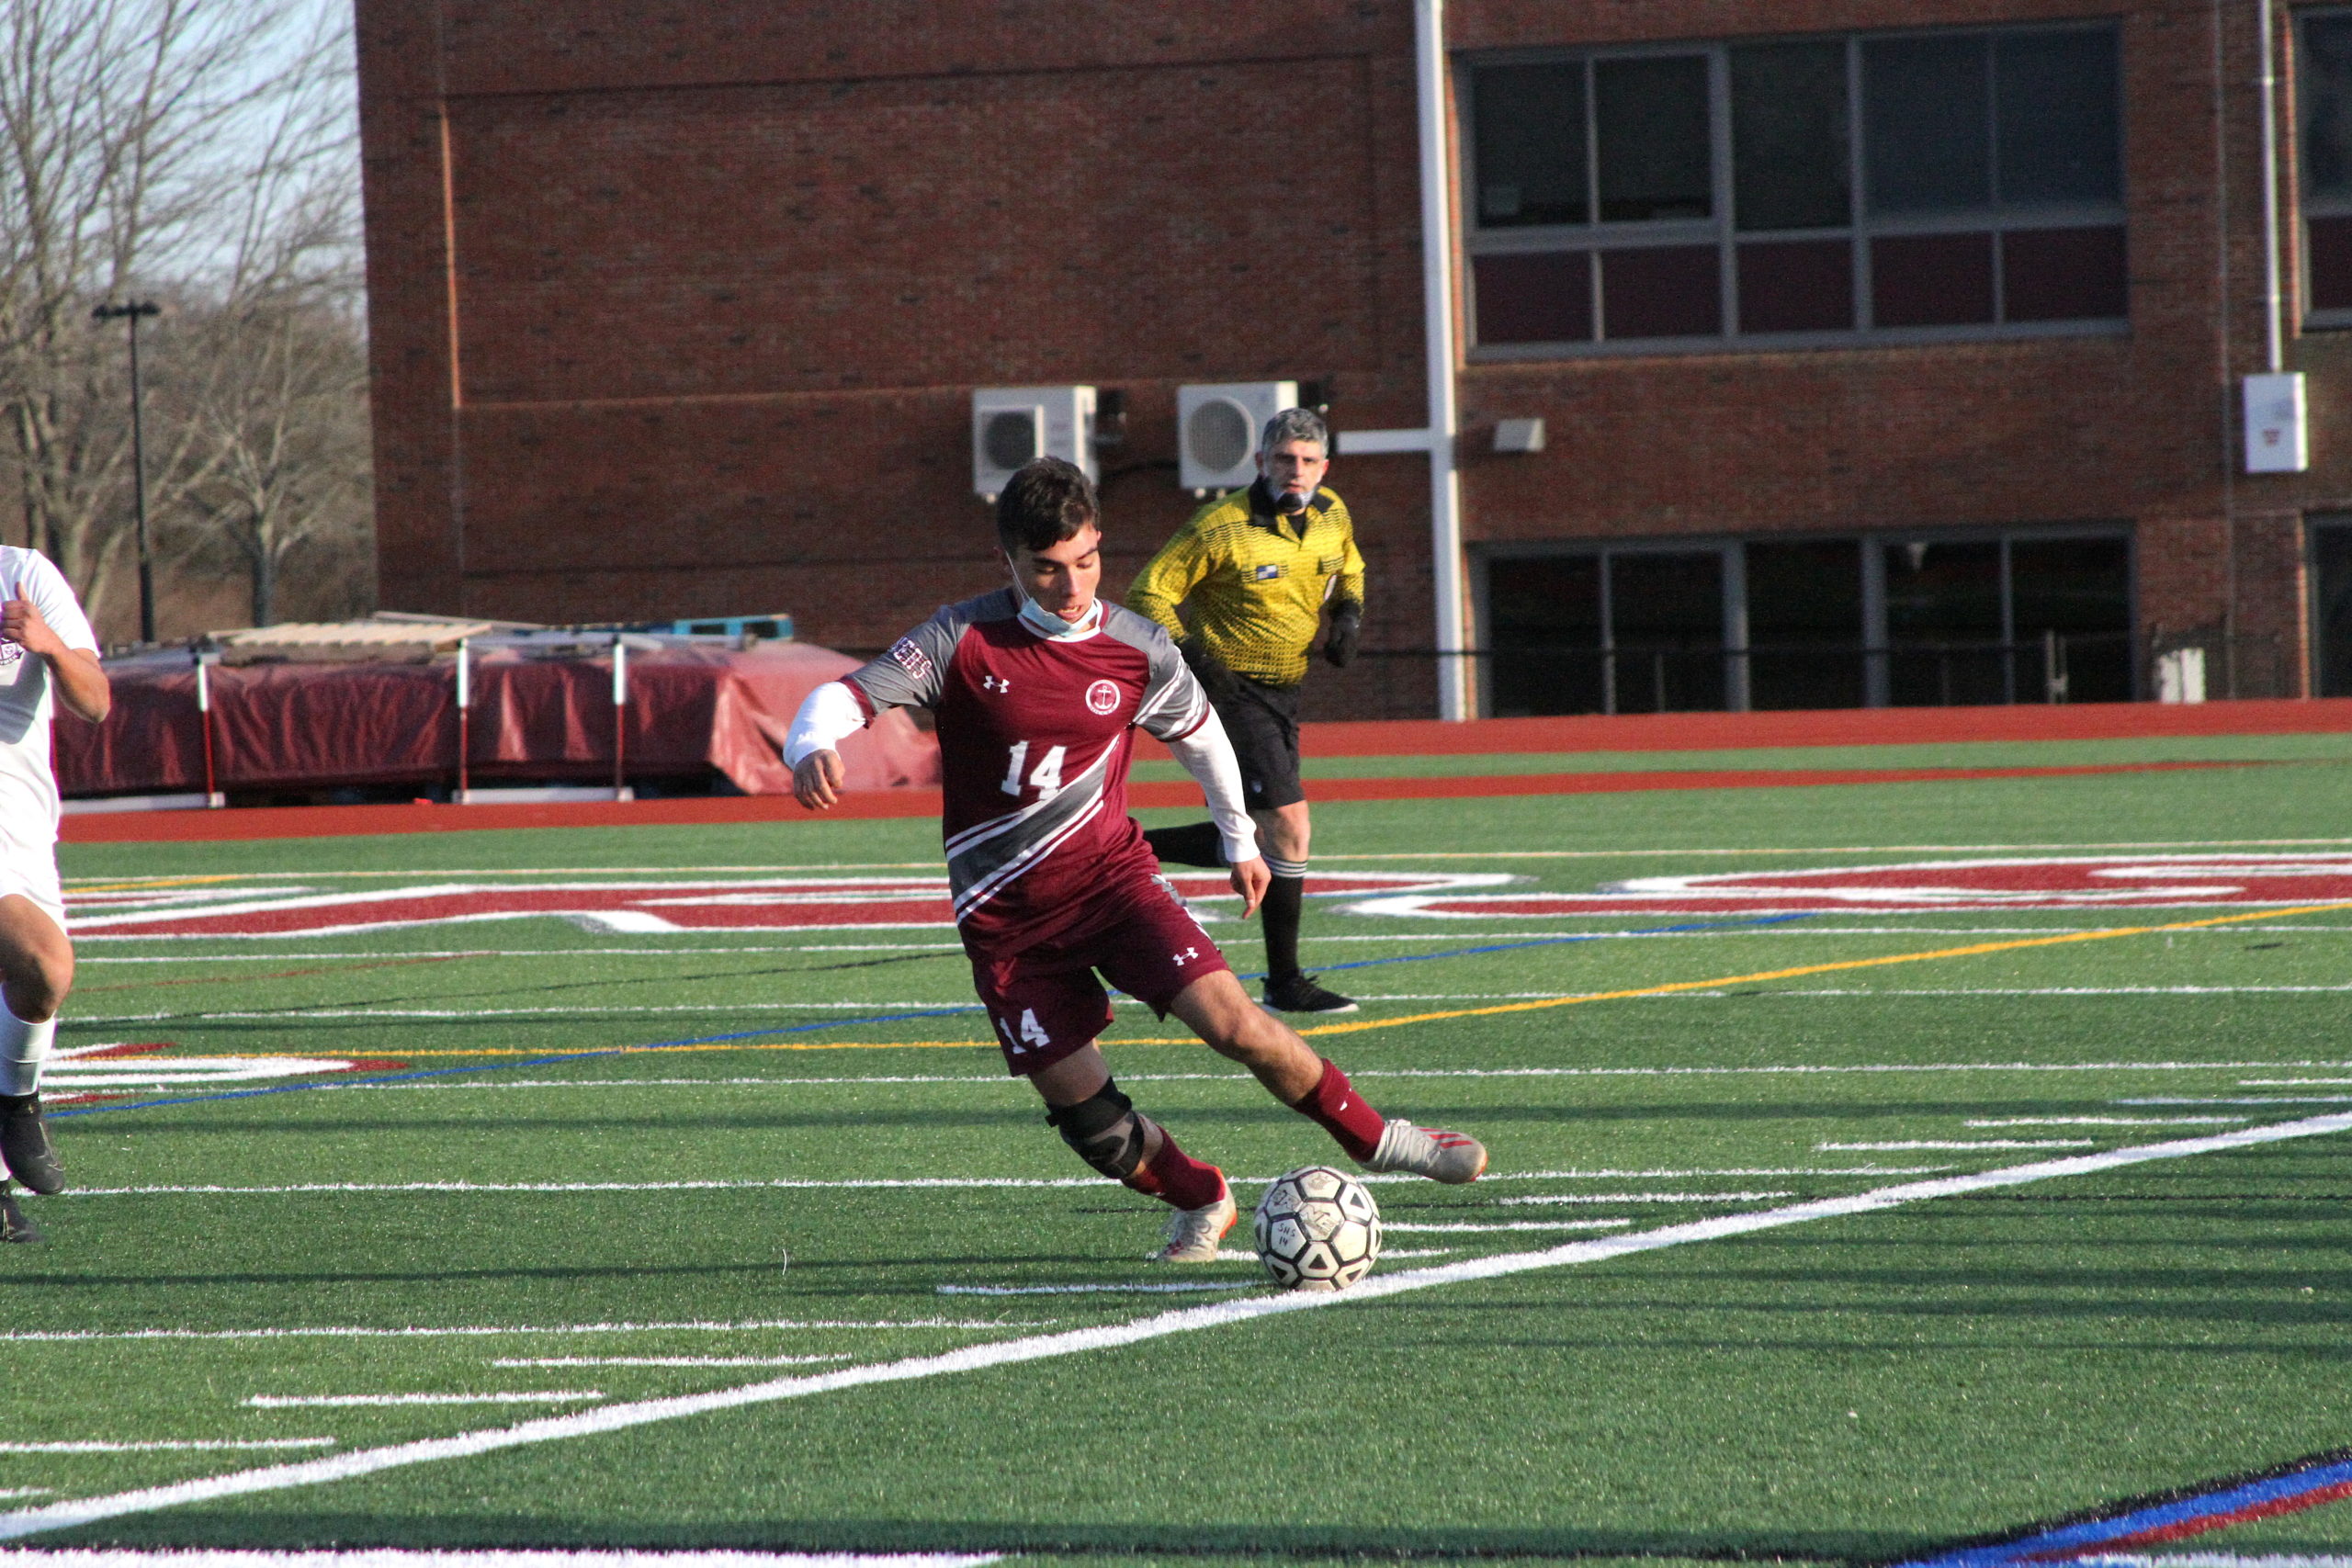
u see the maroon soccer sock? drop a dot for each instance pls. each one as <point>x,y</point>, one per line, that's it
<point>1339,1111</point>
<point>1177,1178</point>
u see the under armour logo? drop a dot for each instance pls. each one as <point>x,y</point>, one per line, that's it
<point>995,684</point>
<point>1188,953</point>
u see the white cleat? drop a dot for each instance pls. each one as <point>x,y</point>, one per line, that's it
<point>1192,1234</point>
<point>1451,1158</point>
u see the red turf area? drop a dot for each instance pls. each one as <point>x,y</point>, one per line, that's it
<point>1626,732</point>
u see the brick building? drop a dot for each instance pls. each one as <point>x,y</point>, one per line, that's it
<point>1887,350</point>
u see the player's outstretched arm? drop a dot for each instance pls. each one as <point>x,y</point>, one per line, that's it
<point>1208,755</point>
<point>826,714</point>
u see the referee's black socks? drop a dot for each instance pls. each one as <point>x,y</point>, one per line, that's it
<point>1284,893</point>
<point>1195,843</point>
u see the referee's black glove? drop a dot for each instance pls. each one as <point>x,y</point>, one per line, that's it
<point>1347,630</point>
<point>1216,676</point>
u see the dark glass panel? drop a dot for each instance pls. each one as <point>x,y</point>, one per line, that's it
<point>1931,280</point>
<point>1926,123</point>
<point>1943,625</point>
<point>1528,140</point>
<point>1804,624</point>
<point>2062,275</point>
<point>1650,115</point>
<point>2327,264</point>
<point>2058,117</point>
<point>2080,589</point>
<point>1544,298</point>
<point>1796,286</point>
<point>1545,632</point>
<point>2332,608</point>
<point>1671,292</point>
<point>1790,160</point>
<point>1666,611</point>
<point>2323,93</point>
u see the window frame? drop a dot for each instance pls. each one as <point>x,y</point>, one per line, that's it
<point>1721,230</point>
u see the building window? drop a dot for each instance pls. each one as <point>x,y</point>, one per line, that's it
<point>1929,184</point>
<point>2324,96</point>
<point>1988,616</point>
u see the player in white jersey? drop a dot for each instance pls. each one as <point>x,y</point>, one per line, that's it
<point>48,656</point>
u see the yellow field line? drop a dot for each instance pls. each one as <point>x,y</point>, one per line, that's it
<point>142,884</point>
<point>1667,988</point>
<point>1971,951</point>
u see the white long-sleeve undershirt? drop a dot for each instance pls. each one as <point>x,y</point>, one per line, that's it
<point>827,715</point>
<point>1208,755</point>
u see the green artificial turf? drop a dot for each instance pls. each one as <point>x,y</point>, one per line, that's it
<point>1852,1390</point>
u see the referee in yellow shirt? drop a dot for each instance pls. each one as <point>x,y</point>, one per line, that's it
<point>1257,568</point>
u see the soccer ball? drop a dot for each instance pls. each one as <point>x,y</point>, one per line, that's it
<point>1317,1229</point>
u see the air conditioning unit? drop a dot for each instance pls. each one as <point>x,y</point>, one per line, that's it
<point>1012,425</point>
<point>1216,431</point>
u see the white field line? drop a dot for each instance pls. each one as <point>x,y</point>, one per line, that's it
<point>2106,1121</point>
<point>754,1325</point>
<point>1393,1227</point>
<point>966,1005</point>
<point>669,1360</point>
<point>160,1445</point>
<point>962,1183</point>
<point>1167,1289</point>
<point>1649,1198</point>
<point>1967,1144</point>
<point>2081,990</point>
<point>19,1523</point>
<point>2214,1099</point>
<point>540,1396</point>
<point>394,1557</point>
<point>2289,1083</point>
<point>2207,1560</point>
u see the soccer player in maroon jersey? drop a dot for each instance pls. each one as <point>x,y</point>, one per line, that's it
<point>1037,689</point>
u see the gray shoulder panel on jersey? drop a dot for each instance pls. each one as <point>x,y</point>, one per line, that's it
<point>981,861</point>
<point>1174,704</point>
<point>913,670</point>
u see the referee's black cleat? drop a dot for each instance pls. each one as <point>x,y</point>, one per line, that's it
<point>14,1224</point>
<point>1299,993</point>
<point>24,1148</point>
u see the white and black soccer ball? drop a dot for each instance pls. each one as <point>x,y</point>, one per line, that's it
<point>1317,1229</point>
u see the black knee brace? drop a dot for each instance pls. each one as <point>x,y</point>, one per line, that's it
<point>1107,1130</point>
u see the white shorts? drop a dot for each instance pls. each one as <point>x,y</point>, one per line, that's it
<point>32,874</point>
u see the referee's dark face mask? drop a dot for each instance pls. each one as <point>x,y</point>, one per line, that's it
<point>1293,471</point>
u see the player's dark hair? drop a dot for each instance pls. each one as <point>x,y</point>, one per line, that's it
<point>1048,501</point>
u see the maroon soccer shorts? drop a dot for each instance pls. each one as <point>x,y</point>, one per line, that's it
<point>1046,1001</point>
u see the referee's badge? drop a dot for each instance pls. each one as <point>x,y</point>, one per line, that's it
<point>1268,572</point>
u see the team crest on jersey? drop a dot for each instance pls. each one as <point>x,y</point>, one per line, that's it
<point>912,660</point>
<point>1102,697</point>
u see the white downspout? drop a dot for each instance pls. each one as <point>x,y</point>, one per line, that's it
<point>2273,301</point>
<point>1454,685</point>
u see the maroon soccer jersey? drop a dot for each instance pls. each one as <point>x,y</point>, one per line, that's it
<point>1034,736</point>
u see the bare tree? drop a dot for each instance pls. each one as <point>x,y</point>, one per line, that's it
<point>197,151</point>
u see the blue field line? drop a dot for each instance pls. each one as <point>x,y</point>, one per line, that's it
<point>824,1024</point>
<point>1557,940</point>
<point>2228,1503</point>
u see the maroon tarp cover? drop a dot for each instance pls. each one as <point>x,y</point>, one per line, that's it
<point>692,710</point>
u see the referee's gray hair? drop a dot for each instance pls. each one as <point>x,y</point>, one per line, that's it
<point>1296,425</point>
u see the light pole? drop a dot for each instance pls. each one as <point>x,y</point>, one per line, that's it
<point>131,310</point>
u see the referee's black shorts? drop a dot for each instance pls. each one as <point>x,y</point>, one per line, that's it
<point>1262,723</point>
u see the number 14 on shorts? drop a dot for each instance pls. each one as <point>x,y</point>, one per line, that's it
<point>1021,1039</point>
